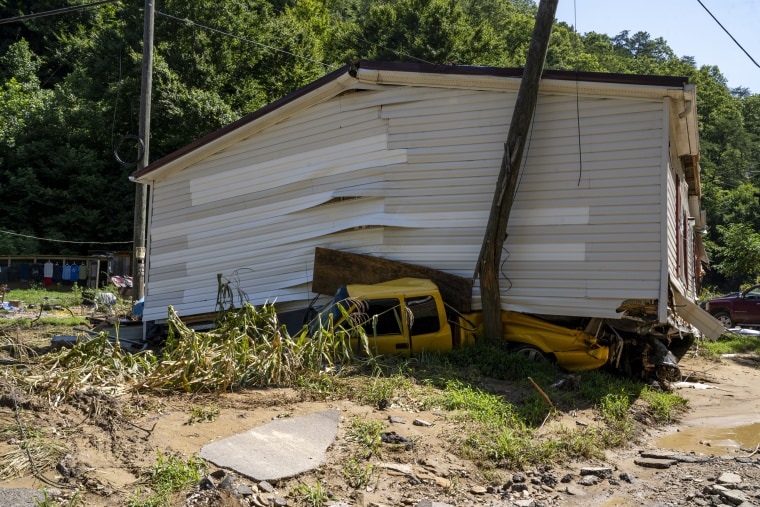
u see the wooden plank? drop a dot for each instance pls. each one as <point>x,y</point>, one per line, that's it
<point>333,268</point>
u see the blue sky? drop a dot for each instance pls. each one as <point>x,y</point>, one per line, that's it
<point>685,25</point>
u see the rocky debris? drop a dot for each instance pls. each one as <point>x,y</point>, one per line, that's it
<point>677,456</point>
<point>391,437</point>
<point>729,479</point>
<point>600,472</point>
<point>69,467</point>
<point>225,489</point>
<point>396,420</point>
<point>655,463</point>
<point>421,422</point>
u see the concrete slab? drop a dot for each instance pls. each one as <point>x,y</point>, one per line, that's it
<point>20,497</point>
<point>278,450</point>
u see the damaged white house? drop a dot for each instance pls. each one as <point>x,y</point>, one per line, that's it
<point>400,161</point>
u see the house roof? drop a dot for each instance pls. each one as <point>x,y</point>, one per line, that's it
<point>348,77</point>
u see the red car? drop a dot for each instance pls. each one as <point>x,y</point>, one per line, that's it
<point>737,308</point>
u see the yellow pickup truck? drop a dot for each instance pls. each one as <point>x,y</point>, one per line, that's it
<point>408,316</point>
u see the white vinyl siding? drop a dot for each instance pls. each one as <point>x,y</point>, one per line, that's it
<point>408,173</point>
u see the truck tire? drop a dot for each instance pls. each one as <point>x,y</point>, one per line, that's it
<point>725,319</point>
<point>534,354</point>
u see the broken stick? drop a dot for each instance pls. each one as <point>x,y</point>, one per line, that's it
<point>542,393</point>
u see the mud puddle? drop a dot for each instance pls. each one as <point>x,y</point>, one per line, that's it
<point>713,440</point>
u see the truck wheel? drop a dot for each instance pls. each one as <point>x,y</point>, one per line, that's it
<point>725,319</point>
<point>532,353</point>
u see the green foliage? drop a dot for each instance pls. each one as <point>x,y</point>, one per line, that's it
<point>358,475</point>
<point>498,362</point>
<point>664,407</point>
<point>366,433</point>
<point>70,87</point>
<point>74,501</point>
<point>731,343</point>
<point>740,252</point>
<point>204,413</point>
<point>314,496</point>
<point>494,431</point>
<point>169,475</point>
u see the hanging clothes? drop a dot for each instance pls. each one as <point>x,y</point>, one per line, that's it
<point>66,274</point>
<point>47,273</point>
<point>57,273</point>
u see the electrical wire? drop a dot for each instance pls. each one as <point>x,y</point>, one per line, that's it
<point>729,33</point>
<point>577,95</point>
<point>394,51</point>
<point>66,241</point>
<point>62,10</point>
<point>271,48</point>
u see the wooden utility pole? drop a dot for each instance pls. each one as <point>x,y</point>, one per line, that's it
<point>506,185</point>
<point>141,189</point>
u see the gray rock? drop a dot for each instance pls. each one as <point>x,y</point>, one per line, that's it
<point>429,503</point>
<point>655,463</point>
<point>729,478</point>
<point>601,472</point>
<point>396,420</point>
<point>266,487</point>
<point>570,490</point>
<point>20,497</point>
<point>421,422</point>
<point>625,476</point>
<point>589,480</point>
<point>244,490</point>
<point>734,497</point>
<point>527,502</point>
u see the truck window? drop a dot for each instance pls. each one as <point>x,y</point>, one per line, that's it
<point>388,313</point>
<point>424,314</point>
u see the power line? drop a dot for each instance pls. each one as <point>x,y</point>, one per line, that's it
<point>66,241</point>
<point>62,10</point>
<point>185,20</point>
<point>729,33</point>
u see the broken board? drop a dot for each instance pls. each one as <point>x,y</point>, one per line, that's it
<point>334,268</point>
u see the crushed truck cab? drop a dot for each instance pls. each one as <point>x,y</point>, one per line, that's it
<point>408,316</point>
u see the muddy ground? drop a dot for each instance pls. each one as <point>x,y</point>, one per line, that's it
<point>710,457</point>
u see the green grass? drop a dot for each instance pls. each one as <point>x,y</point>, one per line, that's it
<point>315,496</point>
<point>204,413</point>
<point>74,501</point>
<point>250,349</point>
<point>168,476</point>
<point>64,298</point>
<point>366,434</point>
<point>358,475</point>
<point>731,343</point>
<point>663,407</point>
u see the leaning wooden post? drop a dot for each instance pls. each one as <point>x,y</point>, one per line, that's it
<point>496,230</point>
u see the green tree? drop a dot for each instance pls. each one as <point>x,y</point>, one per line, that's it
<point>739,253</point>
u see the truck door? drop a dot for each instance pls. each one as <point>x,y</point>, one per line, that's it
<point>747,307</point>
<point>428,329</point>
<point>382,320</point>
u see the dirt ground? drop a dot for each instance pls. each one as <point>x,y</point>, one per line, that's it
<point>712,453</point>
